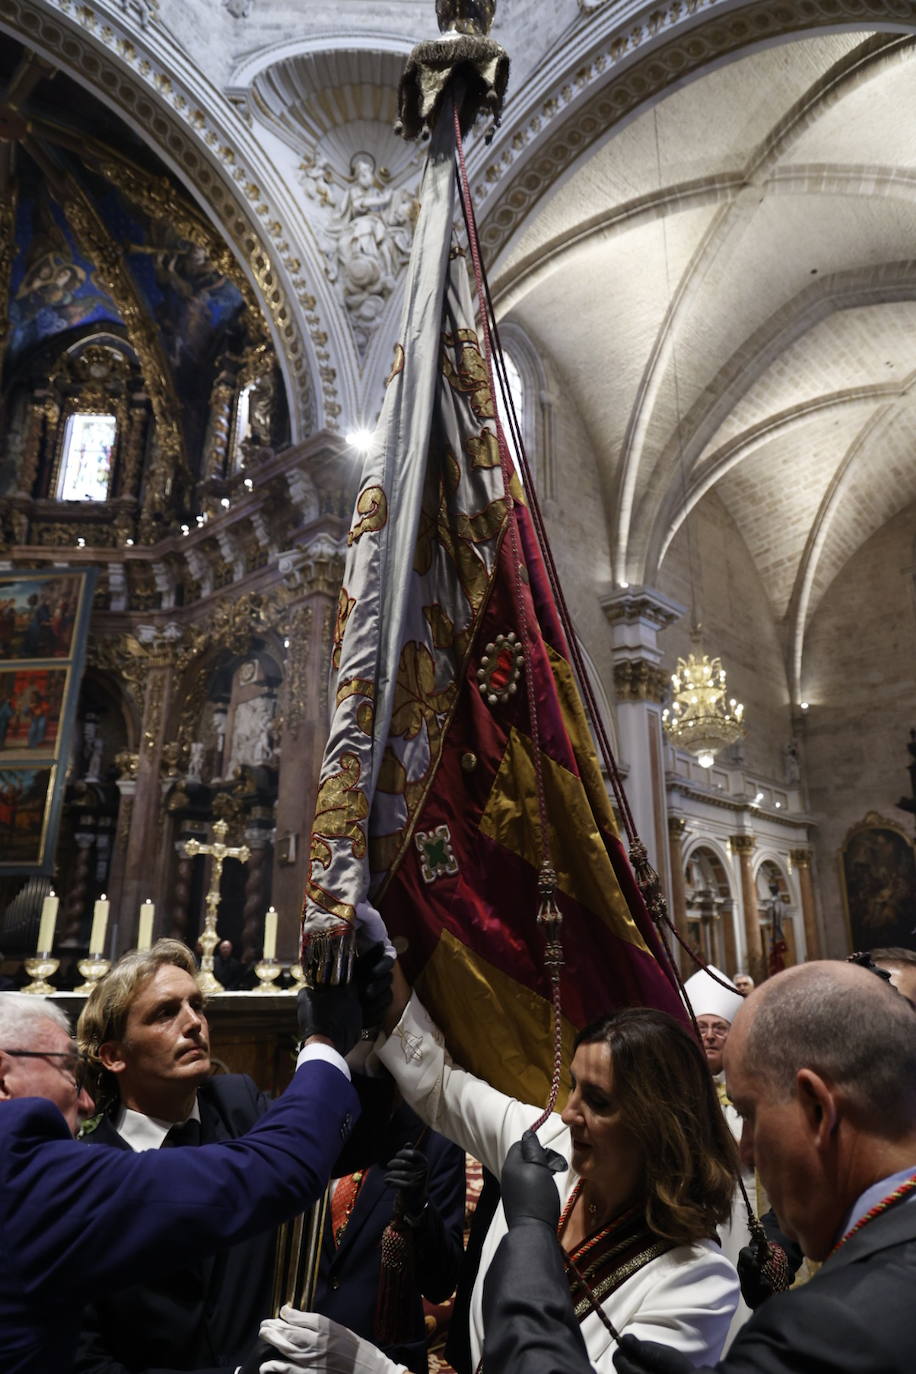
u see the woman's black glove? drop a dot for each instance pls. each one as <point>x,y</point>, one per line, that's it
<point>526,1182</point>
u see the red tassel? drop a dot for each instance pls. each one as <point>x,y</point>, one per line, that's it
<point>396,1286</point>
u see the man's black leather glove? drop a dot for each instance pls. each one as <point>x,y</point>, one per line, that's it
<point>634,1356</point>
<point>762,1275</point>
<point>409,1172</point>
<point>331,1011</point>
<point>372,975</point>
<point>526,1182</point>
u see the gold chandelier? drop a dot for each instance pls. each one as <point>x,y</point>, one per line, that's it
<point>701,718</point>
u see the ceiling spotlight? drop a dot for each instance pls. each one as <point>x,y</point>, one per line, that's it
<point>80,543</point>
<point>225,503</point>
<point>286,643</point>
<point>248,484</point>
<point>360,439</point>
<point>185,529</point>
<point>804,705</point>
<point>129,543</point>
<point>758,799</point>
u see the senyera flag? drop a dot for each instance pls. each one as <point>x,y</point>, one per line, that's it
<point>452,680</point>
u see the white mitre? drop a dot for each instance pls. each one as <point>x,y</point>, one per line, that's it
<point>709,998</point>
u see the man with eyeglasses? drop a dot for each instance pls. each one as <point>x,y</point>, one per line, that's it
<point>76,1221</point>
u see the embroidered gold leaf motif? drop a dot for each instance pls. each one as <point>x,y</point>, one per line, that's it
<point>483,449</point>
<point>372,505</point>
<point>365,717</point>
<point>468,376</point>
<point>397,365</point>
<point>417,701</point>
<point>355,687</point>
<point>340,808</point>
<point>345,604</point>
<point>440,625</point>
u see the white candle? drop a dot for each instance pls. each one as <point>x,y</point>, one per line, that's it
<point>270,933</point>
<point>48,922</point>
<point>145,929</point>
<point>99,925</point>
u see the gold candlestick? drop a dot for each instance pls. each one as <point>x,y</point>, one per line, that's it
<point>268,971</point>
<point>298,977</point>
<point>93,969</point>
<point>40,968</point>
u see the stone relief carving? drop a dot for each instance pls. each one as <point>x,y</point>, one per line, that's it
<point>366,236</point>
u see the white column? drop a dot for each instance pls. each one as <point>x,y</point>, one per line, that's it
<point>636,614</point>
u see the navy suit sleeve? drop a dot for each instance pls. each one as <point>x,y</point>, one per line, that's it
<point>528,1319</point>
<point>80,1217</point>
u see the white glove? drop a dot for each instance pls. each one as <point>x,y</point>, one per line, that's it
<point>315,1343</point>
<point>371,929</point>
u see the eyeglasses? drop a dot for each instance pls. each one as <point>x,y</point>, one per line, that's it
<point>714,1032</point>
<point>76,1065</point>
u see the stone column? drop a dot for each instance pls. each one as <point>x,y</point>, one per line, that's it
<point>181,893</point>
<point>743,846</point>
<point>144,867</point>
<point>636,615</point>
<point>676,827</point>
<point>802,861</point>
<point>256,880</point>
<point>75,903</point>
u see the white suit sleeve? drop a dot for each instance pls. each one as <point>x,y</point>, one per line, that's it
<point>465,1109</point>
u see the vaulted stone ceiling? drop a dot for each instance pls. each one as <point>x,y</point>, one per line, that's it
<point>727,284</point>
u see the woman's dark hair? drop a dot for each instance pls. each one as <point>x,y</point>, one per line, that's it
<point>668,1103</point>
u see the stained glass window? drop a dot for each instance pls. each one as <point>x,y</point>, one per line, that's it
<point>85,465</point>
<point>242,428</point>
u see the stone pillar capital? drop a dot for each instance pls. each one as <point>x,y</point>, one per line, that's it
<point>677,826</point>
<point>800,857</point>
<point>743,844</point>
<point>636,679</point>
<point>636,614</point>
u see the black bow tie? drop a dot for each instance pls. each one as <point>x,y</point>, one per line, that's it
<point>185,1133</point>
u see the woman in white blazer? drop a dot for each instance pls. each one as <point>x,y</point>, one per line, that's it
<point>652,1173</point>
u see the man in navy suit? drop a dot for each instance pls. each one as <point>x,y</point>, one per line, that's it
<point>421,1176</point>
<point>144,1032</point>
<point>78,1222</point>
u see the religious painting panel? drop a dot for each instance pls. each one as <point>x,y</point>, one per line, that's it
<point>44,623</point>
<point>39,612</point>
<point>878,880</point>
<point>26,804</point>
<point>31,702</point>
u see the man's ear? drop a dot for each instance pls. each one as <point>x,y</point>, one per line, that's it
<point>6,1064</point>
<point>818,1106</point>
<point>111,1056</point>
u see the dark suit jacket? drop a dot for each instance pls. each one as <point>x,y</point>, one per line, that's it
<point>348,1279</point>
<point>75,1221</point>
<point>201,1315</point>
<point>855,1316</point>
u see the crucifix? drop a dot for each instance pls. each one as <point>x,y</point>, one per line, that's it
<point>219,851</point>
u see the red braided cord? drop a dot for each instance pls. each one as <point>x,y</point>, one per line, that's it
<point>905,1188</point>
